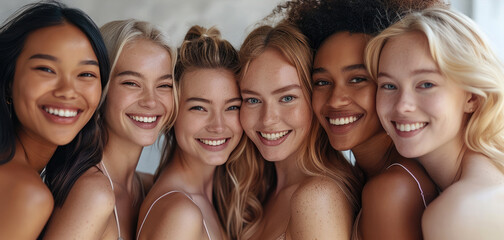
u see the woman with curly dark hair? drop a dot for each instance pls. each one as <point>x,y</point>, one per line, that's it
<point>397,189</point>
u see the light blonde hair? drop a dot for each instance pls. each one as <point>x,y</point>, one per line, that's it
<point>255,178</point>
<point>117,34</point>
<point>462,55</point>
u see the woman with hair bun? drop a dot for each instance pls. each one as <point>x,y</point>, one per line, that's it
<point>104,199</point>
<point>205,134</point>
<point>53,67</point>
<point>441,99</point>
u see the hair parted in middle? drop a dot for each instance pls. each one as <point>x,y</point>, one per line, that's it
<point>255,178</point>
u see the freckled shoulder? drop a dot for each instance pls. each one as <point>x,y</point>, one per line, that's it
<point>174,216</point>
<point>25,203</point>
<point>86,210</point>
<point>320,210</point>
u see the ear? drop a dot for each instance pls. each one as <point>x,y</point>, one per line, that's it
<point>471,103</point>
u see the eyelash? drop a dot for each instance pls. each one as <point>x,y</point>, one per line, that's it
<point>248,100</point>
<point>287,101</point>
<point>45,69</point>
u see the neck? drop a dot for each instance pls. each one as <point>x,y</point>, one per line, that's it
<point>288,173</point>
<point>192,174</point>
<point>444,164</point>
<point>121,159</point>
<point>370,155</point>
<point>33,151</point>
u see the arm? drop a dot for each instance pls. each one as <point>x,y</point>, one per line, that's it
<point>392,207</point>
<point>173,217</point>
<point>320,210</point>
<point>86,211</point>
<point>25,207</point>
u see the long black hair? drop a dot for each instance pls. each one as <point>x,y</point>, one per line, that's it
<point>85,149</point>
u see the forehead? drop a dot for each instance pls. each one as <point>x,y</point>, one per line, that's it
<point>270,70</point>
<point>409,50</point>
<point>201,82</point>
<point>342,48</point>
<point>55,38</point>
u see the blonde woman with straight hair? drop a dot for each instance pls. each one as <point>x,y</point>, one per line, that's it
<point>441,99</point>
<point>205,135</point>
<point>289,184</point>
<point>139,104</point>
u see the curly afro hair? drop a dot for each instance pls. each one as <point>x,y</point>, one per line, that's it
<point>319,19</point>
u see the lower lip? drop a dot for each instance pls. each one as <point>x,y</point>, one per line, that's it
<point>214,148</point>
<point>273,142</point>
<point>60,120</point>
<point>342,129</point>
<point>407,134</point>
<point>145,125</point>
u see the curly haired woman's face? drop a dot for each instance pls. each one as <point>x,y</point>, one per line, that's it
<point>275,113</point>
<point>422,110</point>
<point>343,92</point>
<point>56,86</point>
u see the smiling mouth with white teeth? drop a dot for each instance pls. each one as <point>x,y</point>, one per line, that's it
<point>408,127</point>
<point>273,136</point>
<point>61,112</point>
<point>343,120</point>
<point>213,142</point>
<point>143,119</point>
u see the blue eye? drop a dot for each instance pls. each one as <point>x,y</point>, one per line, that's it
<point>426,85</point>
<point>252,100</point>
<point>287,99</point>
<point>388,86</point>
<point>234,108</point>
<point>357,80</point>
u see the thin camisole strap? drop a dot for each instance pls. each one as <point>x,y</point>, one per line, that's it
<point>413,176</point>
<point>159,198</point>
<point>115,207</point>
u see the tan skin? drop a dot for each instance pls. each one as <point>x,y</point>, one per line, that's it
<point>57,80</point>
<point>141,86</point>
<point>414,91</point>
<point>392,205</point>
<point>209,111</point>
<point>301,207</point>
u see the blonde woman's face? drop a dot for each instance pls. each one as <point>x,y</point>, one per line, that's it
<point>275,113</point>
<point>208,127</point>
<point>421,109</point>
<point>140,95</point>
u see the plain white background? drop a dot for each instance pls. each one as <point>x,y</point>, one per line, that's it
<point>234,18</point>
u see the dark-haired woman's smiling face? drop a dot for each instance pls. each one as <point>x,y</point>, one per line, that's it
<point>343,92</point>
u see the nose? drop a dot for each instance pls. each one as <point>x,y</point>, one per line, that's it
<point>339,97</point>
<point>65,88</point>
<point>147,99</point>
<point>216,123</point>
<point>270,115</point>
<point>405,102</point>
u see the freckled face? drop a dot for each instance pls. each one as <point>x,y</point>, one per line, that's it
<point>208,125</point>
<point>344,94</point>
<point>56,86</point>
<point>422,110</point>
<point>275,113</point>
<point>140,95</point>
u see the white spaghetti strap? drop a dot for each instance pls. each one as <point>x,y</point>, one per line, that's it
<point>413,176</point>
<point>159,198</point>
<point>115,207</point>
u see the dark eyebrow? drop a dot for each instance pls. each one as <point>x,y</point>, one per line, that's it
<point>89,62</point>
<point>319,70</point>
<point>249,92</point>
<point>44,56</point>
<point>286,88</point>
<point>234,100</point>
<point>345,69</point>
<point>195,99</point>
<point>167,76</point>
<point>130,73</point>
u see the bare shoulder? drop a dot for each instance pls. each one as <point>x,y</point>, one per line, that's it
<point>320,210</point>
<point>476,200</point>
<point>26,203</point>
<point>171,213</point>
<point>86,210</point>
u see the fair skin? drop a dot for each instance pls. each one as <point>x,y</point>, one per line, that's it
<point>139,102</point>
<point>276,115</point>
<point>344,103</point>
<point>207,130</point>
<point>425,112</point>
<point>60,68</point>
